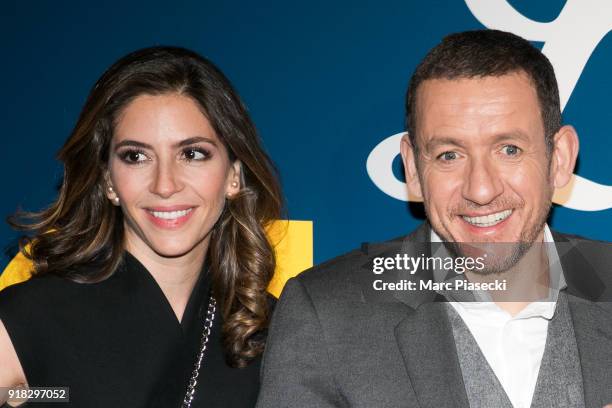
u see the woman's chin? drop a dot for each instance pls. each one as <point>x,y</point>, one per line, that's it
<point>174,250</point>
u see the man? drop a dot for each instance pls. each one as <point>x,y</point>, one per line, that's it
<point>485,150</point>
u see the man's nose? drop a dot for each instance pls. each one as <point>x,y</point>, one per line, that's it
<point>166,181</point>
<point>482,183</point>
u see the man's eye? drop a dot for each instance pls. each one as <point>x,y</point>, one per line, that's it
<point>133,156</point>
<point>511,150</point>
<point>196,154</point>
<point>447,156</point>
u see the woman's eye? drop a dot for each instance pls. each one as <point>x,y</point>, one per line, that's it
<point>511,150</point>
<point>133,156</point>
<point>195,154</point>
<point>447,156</point>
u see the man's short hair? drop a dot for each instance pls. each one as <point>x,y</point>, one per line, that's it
<point>482,53</point>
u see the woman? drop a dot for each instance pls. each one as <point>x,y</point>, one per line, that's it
<point>152,265</point>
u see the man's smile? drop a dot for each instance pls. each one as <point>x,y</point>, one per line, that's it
<point>488,220</point>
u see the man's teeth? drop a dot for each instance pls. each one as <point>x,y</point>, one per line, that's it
<point>170,215</point>
<point>488,220</point>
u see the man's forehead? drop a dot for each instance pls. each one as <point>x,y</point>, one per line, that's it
<point>465,89</point>
<point>502,104</point>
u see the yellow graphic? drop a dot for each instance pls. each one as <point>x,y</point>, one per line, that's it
<point>292,241</point>
<point>17,271</point>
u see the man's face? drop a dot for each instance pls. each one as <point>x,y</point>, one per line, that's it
<point>483,169</point>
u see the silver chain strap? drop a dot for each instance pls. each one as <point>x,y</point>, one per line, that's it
<point>193,382</point>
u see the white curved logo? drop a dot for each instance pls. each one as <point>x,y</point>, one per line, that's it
<point>569,40</point>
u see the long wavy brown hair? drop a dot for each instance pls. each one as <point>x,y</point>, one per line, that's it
<point>80,236</point>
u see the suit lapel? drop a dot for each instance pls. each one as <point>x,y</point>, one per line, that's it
<point>591,312</point>
<point>425,337</point>
<point>593,331</point>
<point>427,346</point>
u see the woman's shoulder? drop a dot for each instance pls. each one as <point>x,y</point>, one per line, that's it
<point>51,292</point>
<point>33,288</point>
<point>35,294</point>
<point>23,307</point>
<point>59,284</point>
<point>37,282</point>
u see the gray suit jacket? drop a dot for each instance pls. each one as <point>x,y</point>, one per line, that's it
<point>333,343</point>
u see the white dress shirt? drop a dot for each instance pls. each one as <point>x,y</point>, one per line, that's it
<point>512,345</point>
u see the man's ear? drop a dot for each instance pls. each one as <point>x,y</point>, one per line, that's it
<point>564,154</point>
<point>234,179</point>
<point>410,168</point>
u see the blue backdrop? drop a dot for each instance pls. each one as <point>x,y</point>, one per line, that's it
<point>324,81</point>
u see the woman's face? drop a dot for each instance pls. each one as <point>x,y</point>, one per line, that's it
<point>171,175</point>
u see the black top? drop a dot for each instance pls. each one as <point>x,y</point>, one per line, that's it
<point>118,342</point>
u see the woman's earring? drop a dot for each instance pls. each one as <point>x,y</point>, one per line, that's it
<point>113,196</point>
<point>234,184</point>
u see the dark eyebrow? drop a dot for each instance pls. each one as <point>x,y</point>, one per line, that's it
<point>443,140</point>
<point>196,139</point>
<point>182,143</point>
<point>133,143</point>
<point>517,134</point>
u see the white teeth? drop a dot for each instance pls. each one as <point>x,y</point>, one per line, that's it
<point>488,220</point>
<point>170,215</point>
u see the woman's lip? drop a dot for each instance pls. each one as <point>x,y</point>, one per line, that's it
<point>173,223</point>
<point>169,208</point>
